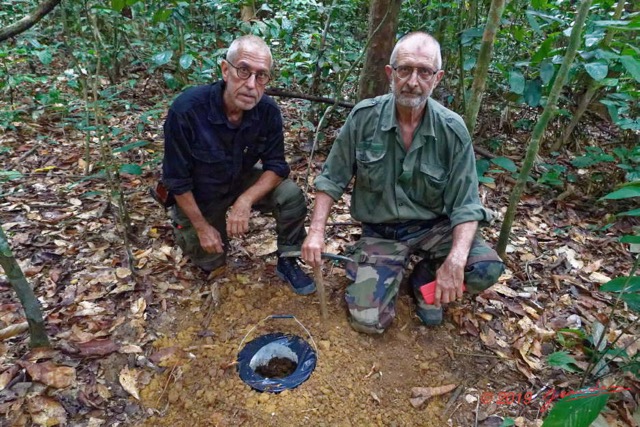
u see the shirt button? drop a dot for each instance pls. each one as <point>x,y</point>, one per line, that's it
<point>400,204</point>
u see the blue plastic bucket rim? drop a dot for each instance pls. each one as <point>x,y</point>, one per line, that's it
<point>263,348</point>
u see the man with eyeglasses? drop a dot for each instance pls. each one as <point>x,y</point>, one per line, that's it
<point>415,192</point>
<point>224,155</point>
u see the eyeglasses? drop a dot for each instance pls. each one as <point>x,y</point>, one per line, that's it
<point>405,71</point>
<point>262,77</point>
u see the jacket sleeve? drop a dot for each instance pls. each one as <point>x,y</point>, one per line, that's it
<point>461,198</point>
<point>339,168</point>
<point>273,158</point>
<point>177,164</point>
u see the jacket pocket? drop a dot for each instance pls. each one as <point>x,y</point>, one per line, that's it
<point>211,171</point>
<point>371,174</point>
<point>429,186</point>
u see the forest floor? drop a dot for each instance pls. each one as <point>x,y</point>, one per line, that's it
<point>153,341</point>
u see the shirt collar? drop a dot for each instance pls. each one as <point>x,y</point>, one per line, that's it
<point>390,121</point>
<point>217,116</point>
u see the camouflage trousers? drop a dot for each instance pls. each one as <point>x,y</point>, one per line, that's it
<point>286,202</point>
<point>381,256</point>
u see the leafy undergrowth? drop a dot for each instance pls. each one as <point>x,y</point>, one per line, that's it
<point>154,342</point>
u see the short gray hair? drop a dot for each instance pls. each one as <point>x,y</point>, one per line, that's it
<point>247,42</point>
<point>428,38</point>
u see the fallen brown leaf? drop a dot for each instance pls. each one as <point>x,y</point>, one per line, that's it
<point>128,378</point>
<point>46,411</point>
<point>50,374</point>
<point>97,347</point>
<point>7,376</point>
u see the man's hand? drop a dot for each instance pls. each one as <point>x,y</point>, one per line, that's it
<point>312,248</point>
<point>450,275</point>
<point>449,281</point>
<point>210,239</point>
<point>238,218</point>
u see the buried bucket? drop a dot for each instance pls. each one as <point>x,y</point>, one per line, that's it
<point>276,362</point>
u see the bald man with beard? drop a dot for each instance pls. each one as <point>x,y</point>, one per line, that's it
<point>415,192</point>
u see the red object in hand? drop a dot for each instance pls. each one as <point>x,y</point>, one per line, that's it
<point>428,292</point>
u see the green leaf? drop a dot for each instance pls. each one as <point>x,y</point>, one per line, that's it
<point>618,23</point>
<point>632,66</point>
<point>10,175</point>
<point>623,193</point>
<point>533,92</point>
<point>162,15</point>
<point>470,34</point>
<point>597,70</point>
<point>44,56</point>
<point>486,180</point>
<point>508,422</point>
<point>632,300</point>
<point>577,410</point>
<point>634,240</point>
<point>561,359</point>
<point>171,81</point>
<point>516,82</point>
<point>91,194</point>
<point>117,5</point>
<point>544,50</point>
<point>505,163</point>
<point>546,72</point>
<point>626,283</point>
<point>162,58</point>
<point>131,169</point>
<point>533,22</point>
<point>469,63</point>
<point>634,212</point>
<point>482,165</point>
<point>130,146</point>
<point>186,60</point>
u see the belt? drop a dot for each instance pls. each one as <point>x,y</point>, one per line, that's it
<point>400,230</point>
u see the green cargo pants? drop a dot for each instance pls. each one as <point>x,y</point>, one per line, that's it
<point>286,202</point>
<point>381,256</point>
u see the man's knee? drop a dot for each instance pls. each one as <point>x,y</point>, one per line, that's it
<point>368,320</point>
<point>289,197</point>
<point>187,239</point>
<point>482,275</point>
<point>367,313</point>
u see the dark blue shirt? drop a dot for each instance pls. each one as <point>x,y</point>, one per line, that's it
<point>207,155</point>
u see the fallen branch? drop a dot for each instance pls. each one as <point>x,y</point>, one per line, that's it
<point>286,94</point>
<point>419,395</point>
<point>28,21</point>
<point>13,330</point>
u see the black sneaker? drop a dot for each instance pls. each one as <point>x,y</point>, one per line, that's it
<point>289,271</point>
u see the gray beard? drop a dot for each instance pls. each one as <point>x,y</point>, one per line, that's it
<point>408,100</point>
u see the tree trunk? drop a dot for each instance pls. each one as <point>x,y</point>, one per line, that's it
<point>28,21</point>
<point>37,332</point>
<point>248,11</point>
<point>538,131</point>
<point>373,79</point>
<point>593,87</point>
<point>482,65</point>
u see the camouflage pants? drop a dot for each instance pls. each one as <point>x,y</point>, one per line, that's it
<point>381,256</point>
<point>286,202</point>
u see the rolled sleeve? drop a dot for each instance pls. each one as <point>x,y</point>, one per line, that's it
<point>462,201</point>
<point>338,170</point>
